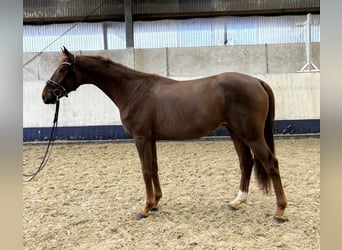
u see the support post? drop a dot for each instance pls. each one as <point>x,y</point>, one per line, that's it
<point>105,35</point>
<point>129,23</point>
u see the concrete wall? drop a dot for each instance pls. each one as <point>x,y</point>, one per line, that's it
<point>192,62</point>
<point>297,94</point>
<point>297,97</point>
<point>203,61</point>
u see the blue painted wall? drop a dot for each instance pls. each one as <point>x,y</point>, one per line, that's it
<point>117,132</point>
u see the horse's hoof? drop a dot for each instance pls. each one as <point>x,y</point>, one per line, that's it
<point>141,216</point>
<point>280,219</point>
<point>230,207</point>
<point>233,208</point>
<point>154,209</point>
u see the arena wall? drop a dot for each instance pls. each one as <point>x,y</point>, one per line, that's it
<point>89,114</point>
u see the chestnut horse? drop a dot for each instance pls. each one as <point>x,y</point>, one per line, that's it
<point>153,108</point>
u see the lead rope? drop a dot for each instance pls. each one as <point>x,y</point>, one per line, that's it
<point>48,150</point>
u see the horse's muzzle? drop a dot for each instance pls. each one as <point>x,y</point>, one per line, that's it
<point>49,98</point>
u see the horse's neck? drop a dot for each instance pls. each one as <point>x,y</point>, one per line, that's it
<point>116,81</point>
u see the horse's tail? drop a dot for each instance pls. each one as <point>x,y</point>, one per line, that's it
<point>263,178</point>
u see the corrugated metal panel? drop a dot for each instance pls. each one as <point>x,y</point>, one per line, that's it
<point>192,6</point>
<point>211,32</point>
<point>173,33</point>
<point>116,35</point>
<point>73,8</point>
<point>76,8</point>
<point>315,28</point>
<point>84,36</point>
<point>196,31</point>
<point>156,34</point>
<point>269,30</point>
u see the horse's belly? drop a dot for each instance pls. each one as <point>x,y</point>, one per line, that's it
<point>185,131</point>
<point>189,114</point>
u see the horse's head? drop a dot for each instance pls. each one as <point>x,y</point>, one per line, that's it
<point>62,80</point>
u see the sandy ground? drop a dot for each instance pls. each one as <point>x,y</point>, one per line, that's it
<point>88,195</point>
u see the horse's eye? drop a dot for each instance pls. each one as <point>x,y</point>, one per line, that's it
<point>61,70</point>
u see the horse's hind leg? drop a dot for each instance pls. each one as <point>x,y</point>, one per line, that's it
<point>155,178</point>
<point>263,153</point>
<point>246,165</point>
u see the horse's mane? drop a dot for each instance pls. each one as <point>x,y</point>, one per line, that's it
<point>108,63</point>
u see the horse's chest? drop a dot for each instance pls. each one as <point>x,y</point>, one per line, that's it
<point>137,123</point>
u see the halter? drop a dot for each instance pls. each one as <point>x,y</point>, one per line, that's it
<point>59,91</point>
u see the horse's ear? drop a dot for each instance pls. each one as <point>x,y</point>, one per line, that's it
<point>67,53</point>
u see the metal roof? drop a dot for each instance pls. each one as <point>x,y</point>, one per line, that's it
<point>75,10</point>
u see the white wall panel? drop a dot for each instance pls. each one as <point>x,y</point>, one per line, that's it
<point>86,106</point>
<point>89,106</point>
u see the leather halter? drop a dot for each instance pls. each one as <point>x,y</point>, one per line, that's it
<point>58,90</point>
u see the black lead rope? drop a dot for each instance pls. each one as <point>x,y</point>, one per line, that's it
<point>50,144</point>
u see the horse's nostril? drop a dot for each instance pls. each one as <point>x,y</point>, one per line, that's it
<point>44,98</point>
<point>49,99</point>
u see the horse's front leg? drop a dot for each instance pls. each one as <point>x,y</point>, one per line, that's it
<point>155,177</point>
<point>144,147</point>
